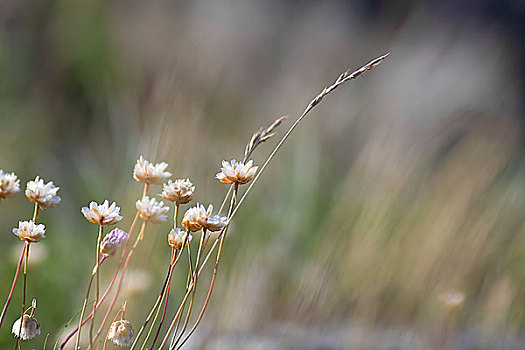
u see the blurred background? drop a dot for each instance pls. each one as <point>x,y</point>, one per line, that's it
<point>401,186</point>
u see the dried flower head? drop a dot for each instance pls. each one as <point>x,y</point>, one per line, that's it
<point>179,191</point>
<point>198,217</point>
<point>9,185</point>
<point>150,173</point>
<point>29,231</point>
<point>43,194</point>
<point>236,172</point>
<point>102,214</point>
<point>30,327</point>
<point>453,300</point>
<point>152,210</point>
<point>121,333</point>
<point>177,238</point>
<point>191,221</point>
<point>112,241</point>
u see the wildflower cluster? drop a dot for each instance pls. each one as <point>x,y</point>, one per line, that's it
<point>197,219</point>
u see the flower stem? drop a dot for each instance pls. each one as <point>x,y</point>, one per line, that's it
<point>35,213</point>
<point>81,321</point>
<point>168,296</point>
<point>130,254</point>
<point>115,275</point>
<point>108,289</point>
<point>176,215</point>
<point>97,288</point>
<point>4,310</point>
<point>23,295</point>
<point>212,283</point>
<point>121,311</point>
<point>158,301</point>
<point>194,282</point>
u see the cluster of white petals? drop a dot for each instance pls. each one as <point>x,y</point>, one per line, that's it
<point>30,327</point>
<point>29,231</point>
<point>180,191</point>
<point>150,173</point>
<point>236,172</point>
<point>44,194</point>
<point>177,238</point>
<point>198,217</point>
<point>102,214</point>
<point>121,333</point>
<point>152,210</point>
<point>9,185</point>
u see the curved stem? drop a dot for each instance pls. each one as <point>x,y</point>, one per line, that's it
<point>195,278</point>
<point>164,296</point>
<point>97,288</point>
<point>115,275</point>
<point>173,262</point>
<point>182,304</point>
<point>188,280</point>
<point>4,310</point>
<point>212,283</point>
<point>24,295</point>
<point>130,254</point>
<point>123,310</point>
<point>344,77</point>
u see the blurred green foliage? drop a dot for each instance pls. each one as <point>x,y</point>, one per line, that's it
<point>405,184</point>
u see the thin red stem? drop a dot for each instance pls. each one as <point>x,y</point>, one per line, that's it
<point>115,275</point>
<point>14,284</point>
<point>114,300</point>
<point>164,311</point>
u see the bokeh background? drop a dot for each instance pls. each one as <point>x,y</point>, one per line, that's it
<point>402,185</point>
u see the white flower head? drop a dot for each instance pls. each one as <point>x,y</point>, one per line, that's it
<point>102,214</point>
<point>43,194</point>
<point>191,220</point>
<point>121,333</point>
<point>216,223</point>
<point>29,231</point>
<point>9,185</point>
<point>152,210</point>
<point>177,238</point>
<point>236,172</point>
<point>150,173</point>
<point>30,327</point>
<point>198,217</point>
<point>180,191</point>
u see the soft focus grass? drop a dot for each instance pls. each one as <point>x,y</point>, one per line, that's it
<point>402,185</point>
